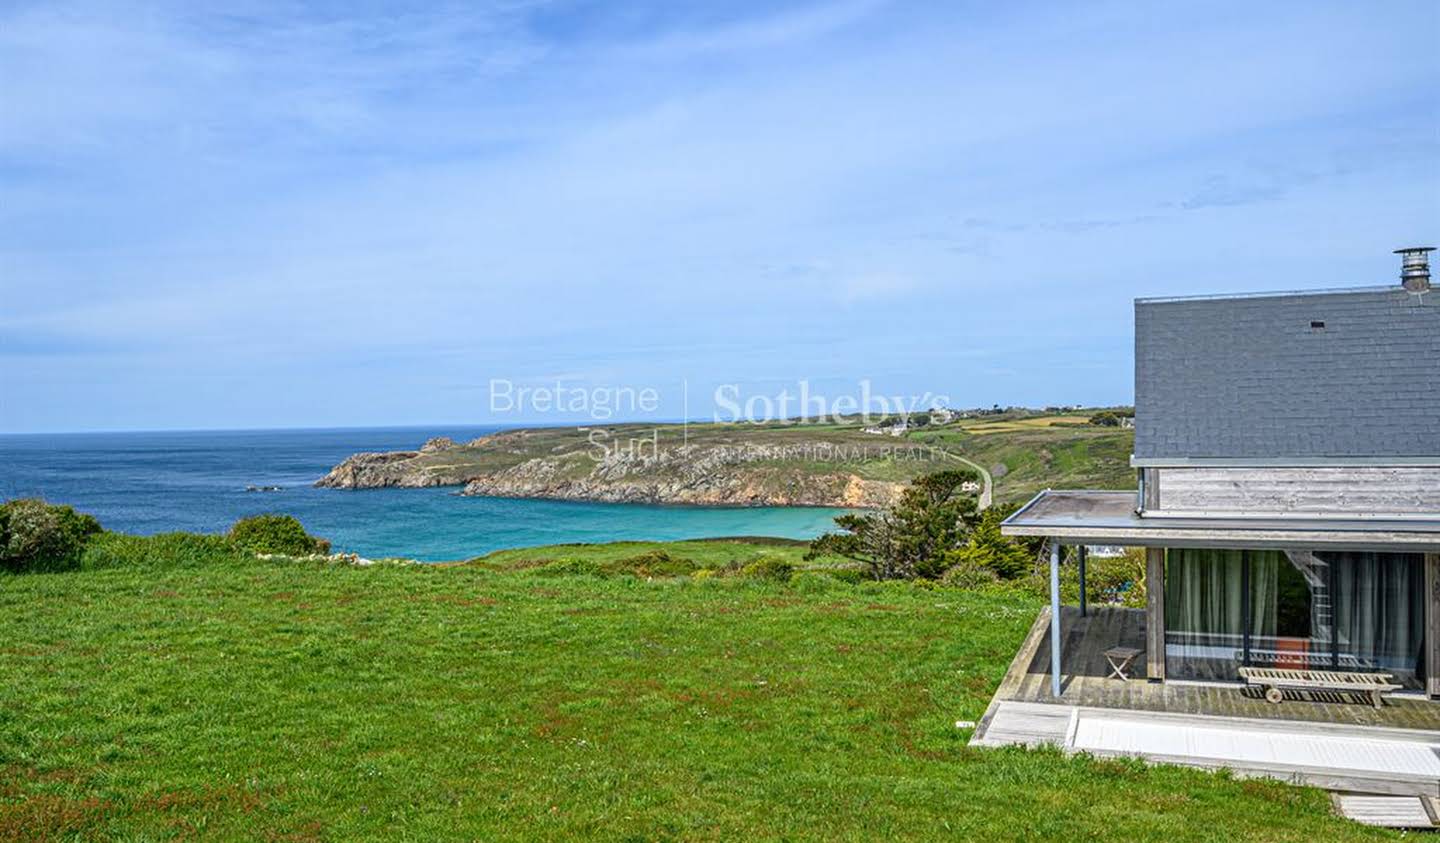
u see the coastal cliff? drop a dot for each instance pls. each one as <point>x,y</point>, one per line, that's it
<point>689,474</point>
<point>753,465</point>
<point>633,465</point>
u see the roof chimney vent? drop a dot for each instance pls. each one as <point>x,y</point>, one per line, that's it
<point>1415,268</point>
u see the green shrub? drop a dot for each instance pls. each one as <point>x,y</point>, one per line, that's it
<point>851,576</point>
<point>653,563</point>
<point>37,536</point>
<point>276,534</point>
<point>169,550</point>
<point>910,539</point>
<point>571,567</point>
<point>769,568</point>
<point>814,582</point>
<point>967,573</point>
<point>987,547</point>
<point>1115,580</point>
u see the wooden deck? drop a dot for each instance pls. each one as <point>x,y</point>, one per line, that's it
<point>1084,681</point>
<point>1384,765</point>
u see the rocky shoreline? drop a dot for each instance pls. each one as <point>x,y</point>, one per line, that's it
<point>505,465</point>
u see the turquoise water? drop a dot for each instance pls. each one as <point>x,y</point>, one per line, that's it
<point>154,482</point>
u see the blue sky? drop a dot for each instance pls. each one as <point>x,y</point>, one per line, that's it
<point>259,215</point>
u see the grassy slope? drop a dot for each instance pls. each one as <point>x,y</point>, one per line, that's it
<point>706,553</point>
<point>1041,456</point>
<point>272,700</point>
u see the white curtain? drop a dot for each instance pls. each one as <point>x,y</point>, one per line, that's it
<point>1379,608</point>
<point>1264,591</point>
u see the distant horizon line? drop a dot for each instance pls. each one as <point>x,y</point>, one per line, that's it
<point>498,425</point>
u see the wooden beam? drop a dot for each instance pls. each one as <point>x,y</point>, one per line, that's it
<point>1055,619</point>
<point>1432,625</point>
<point>1155,614</point>
<point>1152,489</point>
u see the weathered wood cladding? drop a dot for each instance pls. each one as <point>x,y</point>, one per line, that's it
<point>1155,614</point>
<point>1432,625</point>
<point>1352,491</point>
<point>1150,478</point>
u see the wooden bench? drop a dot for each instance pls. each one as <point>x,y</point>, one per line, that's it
<point>1275,680</point>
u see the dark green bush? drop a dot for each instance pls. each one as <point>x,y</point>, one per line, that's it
<point>276,534</point>
<point>987,547</point>
<point>37,536</point>
<point>909,540</point>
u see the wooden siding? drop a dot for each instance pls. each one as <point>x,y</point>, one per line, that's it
<point>1432,625</point>
<point>1152,489</point>
<point>1351,491</point>
<point>1155,613</point>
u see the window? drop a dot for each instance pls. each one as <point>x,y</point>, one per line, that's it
<point>1293,609</point>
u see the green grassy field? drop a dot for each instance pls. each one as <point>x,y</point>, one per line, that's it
<point>248,699</point>
<point>1027,458</point>
<point>706,553</point>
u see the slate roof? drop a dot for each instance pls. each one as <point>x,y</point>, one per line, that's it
<point>1343,373</point>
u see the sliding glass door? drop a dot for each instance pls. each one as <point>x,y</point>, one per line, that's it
<point>1205,614</point>
<point>1293,609</point>
<point>1380,612</point>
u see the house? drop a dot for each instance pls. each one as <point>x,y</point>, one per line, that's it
<point>1287,450</point>
<point>898,428</point>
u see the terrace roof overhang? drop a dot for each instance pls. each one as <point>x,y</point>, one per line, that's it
<point>1104,517</point>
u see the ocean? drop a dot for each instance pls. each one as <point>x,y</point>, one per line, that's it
<point>196,481</point>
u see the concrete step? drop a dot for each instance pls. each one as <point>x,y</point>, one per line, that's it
<point>1388,811</point>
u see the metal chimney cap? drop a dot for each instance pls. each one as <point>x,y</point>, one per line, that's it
<point>1415,268</point>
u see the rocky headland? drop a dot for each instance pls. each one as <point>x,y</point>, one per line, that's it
<point>654,466</point>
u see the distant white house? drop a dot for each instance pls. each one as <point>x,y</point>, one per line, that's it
<point>890,430</point>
